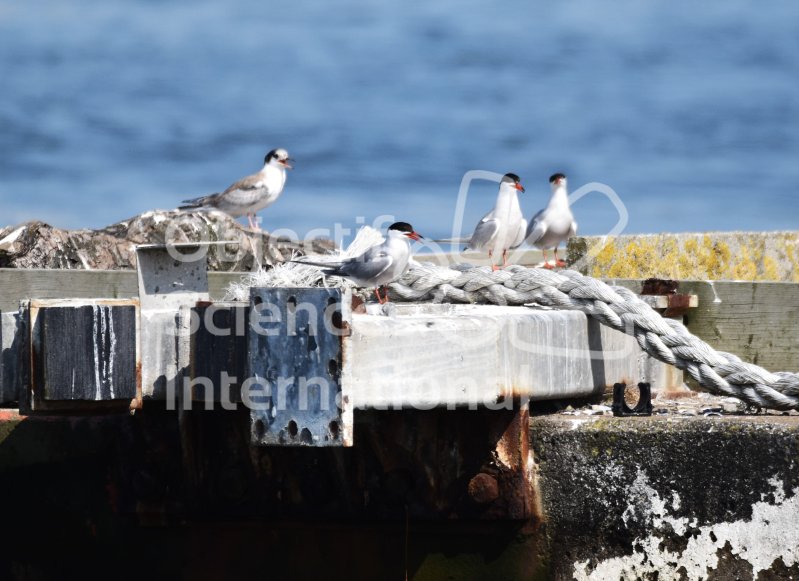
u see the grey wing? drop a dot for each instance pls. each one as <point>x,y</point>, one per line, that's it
<point>485,231</point>
<point>369,265</point>
<point>520,235</point>
<point>238,200</point>
<point>536,229</point>
<point>244,193</point>
<point>209,200</point>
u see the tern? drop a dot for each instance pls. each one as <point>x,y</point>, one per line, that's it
<point>503,227</point>
<point>555,223</point>
<point>378,265</point>
<point>250,194</point>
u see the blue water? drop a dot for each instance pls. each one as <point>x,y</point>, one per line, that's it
<point>689,111</point>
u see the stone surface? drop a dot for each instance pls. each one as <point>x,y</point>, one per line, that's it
<point>669,497</point>
<point>772,256</point>
<point>39,245</point>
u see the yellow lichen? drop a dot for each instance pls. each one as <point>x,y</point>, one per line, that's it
<point>770,269</point>
<point>702,256</point>
<point>745,267</point>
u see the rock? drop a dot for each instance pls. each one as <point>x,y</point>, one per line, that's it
<point>39,245</point>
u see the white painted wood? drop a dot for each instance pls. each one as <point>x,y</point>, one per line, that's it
<point>445,355</point>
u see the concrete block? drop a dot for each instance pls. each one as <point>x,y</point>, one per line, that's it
<point>762,256</point>
<point>669,497</point>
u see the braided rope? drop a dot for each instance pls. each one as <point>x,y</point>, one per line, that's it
<point>619,308</point>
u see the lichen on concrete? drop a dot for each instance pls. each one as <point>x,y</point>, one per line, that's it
<point>769,256</point>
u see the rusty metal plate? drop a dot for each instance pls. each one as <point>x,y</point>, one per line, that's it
<point>295,367</point>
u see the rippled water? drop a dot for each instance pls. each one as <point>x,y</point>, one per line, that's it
<point>689,111</point>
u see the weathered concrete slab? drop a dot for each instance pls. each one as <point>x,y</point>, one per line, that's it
<point>762,256</point>
<point>669,497</point>
<point>448,355</point>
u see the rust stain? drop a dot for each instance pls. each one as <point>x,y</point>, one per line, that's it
<point>483,488</point>
<point>678,305</point>
<point>136,403</point>
<point>513,452</point>
<point>659,286</point>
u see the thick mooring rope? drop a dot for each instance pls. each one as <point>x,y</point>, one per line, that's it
<point>664,339</point>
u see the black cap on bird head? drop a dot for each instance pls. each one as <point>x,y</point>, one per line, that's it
<point>555,177</point>
<point>405,229</point>
<point>514,180</point>
<point>280,155</point>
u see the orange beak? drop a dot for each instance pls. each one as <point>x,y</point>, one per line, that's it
<point>520,187</point>
<point>414,236</point>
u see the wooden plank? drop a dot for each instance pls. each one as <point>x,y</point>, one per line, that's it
<point>17,284</point>
<point>757,321</point>
<point>84,351</point>
<point>484,355</point>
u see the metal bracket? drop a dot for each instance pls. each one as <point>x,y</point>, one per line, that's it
<point>295,366</point>
<point>642,408</point>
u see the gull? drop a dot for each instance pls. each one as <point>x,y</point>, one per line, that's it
<point>555,223</point>
<point>252,193</point>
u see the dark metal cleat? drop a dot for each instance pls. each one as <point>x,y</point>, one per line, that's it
<point>642,408</point>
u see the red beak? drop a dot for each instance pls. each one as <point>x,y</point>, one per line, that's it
<point>414,235</point>
<point>520,187</point>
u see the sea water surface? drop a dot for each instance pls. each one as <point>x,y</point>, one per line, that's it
<point>689,111</point>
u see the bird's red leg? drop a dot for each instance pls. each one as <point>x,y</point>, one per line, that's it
<point>377,294</point>
<point>546,262</point>
<point>558,261</point>
<point>490,255</point>
<point>385,294</point>
<point>505,257</point>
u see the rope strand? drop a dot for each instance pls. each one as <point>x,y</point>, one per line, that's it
<point>664,339</point>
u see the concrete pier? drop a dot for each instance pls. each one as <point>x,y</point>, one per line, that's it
<point>755,256</point>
